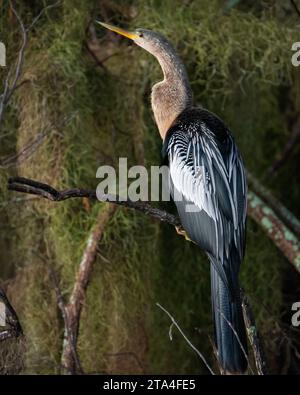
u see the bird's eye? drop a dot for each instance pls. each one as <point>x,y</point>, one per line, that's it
<point>141,35</point>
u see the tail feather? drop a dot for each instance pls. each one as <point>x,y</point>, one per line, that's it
<point>229,327</point>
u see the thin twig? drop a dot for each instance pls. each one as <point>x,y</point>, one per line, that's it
<point>185,338</point>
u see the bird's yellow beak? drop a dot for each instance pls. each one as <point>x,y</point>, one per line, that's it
<point>118,30</point>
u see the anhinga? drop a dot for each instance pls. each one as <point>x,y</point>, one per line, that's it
<point>206,170</point>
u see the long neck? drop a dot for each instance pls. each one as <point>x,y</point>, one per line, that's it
<point>172,95</point>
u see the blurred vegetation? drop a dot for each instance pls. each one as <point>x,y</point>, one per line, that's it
<point>238,60</point>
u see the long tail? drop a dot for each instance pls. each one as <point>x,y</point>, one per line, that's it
<point>230,333</point>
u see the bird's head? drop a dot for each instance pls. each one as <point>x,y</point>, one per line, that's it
<point>149,40</point>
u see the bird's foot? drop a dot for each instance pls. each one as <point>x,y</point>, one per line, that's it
<point>182,232</point>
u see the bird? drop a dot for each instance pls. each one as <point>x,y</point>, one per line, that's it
<point>209,188</point>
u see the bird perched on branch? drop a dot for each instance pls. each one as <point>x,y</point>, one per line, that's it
<point>208,186</point>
